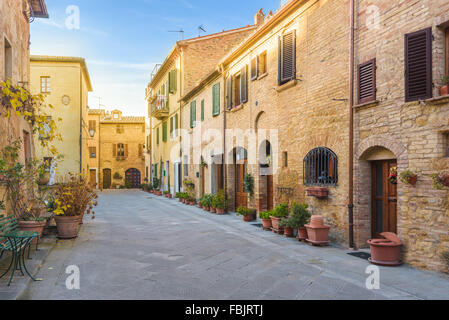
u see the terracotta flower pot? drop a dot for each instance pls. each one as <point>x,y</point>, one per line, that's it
<point>206,209</point>
<point>44,179</point>
<point>317,231</point>
<point>275,222</point>
<point>181,200</point>
<point>386,252</point>
<point>288,232</point>
<point>413,180</point>
<point>213,210</point>
<point>220,210</point>
<point>249,218</point>
<point>444,90</point>
<point>302,234</point>
<point>267,224</point>
<point>33,226</point>
<point>200,205</point>
<point>318,192</point>
<point>68,227</point>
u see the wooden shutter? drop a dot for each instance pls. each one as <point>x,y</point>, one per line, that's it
<point>140,150</point>
<point>126,150</point>
<point>192,114</point>
<point>202,110</point>
<point>216,100</point>
<point>164,131</point>
<point>172,126</point>
<point>176,125</point>
<point>254,68</point>
<point>367,82</point>
<point>288,57</point>
<point>172,79</point>
<point>229,93</point>
<point>244,85</point>
<point>114,150</point>
<point>418,65</point>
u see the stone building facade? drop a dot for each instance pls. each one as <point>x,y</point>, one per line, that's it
<point>116,149</point>
<point>15,64</point>
<point>189,61</point>
<point>65,83</point>
<point>405,124</point>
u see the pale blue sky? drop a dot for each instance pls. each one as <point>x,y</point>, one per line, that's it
<point>122,40</point>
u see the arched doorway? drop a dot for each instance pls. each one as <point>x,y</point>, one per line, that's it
<point>241,166</point>
<point>133,178</point>
<point>107,178</point>
<point>266,200</point>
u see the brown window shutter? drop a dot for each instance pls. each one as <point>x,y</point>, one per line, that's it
<point>126,150</point>
<point>229,93</point>
<point>367,82</point>
<point>418,65</point>
<point>114,150</point>
<point>254,65</point>
<point>244,85</point>
<point>288,57</point>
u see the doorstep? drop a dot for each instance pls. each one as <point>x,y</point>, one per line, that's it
<point>20,283</point>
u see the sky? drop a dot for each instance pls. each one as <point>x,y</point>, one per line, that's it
<point>123,40</point>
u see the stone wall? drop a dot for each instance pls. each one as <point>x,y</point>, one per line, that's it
<point>414,132</point>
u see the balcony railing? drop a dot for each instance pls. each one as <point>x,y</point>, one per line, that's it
<point>160,108</point>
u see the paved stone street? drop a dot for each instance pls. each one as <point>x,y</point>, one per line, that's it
<point>146,247</point>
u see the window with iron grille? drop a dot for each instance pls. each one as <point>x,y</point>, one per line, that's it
<point>418,65</point>
<point>321,168</point>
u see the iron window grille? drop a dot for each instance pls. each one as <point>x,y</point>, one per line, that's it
<point>321,168</point>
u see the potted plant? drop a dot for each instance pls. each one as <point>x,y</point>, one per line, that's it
<point>318,192</point>
<point>247,214</point>
<point>200,202</point>
<point>317,231</point>
<point>445,257</point>
<point>248,185</point>
<point>279,212</point>
<point>220,202</point>
<point>393,177</point>
<point>167,194</point>
<point>408,177</point>
<point>444,89</point>
<point>213,202</point>
<point>206,202</point>
<point>265,216</point>
<point>44,173</point>
<point>72,200</point>
<point>287,224</point>
<point>386,251</point>
<point>301,215</point>
<point>440,180</point>
<point>117,176</point>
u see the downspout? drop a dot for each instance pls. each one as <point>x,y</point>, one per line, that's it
<point>351,131</point>
<point>224,162</point>
<point>100,184</point>
<point>81,121</point>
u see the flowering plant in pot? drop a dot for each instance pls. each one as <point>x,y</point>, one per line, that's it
<point>219,202</point>
<point>440,180</point>
<point>408,177</point>
<point>444,89</point>
<point>279,212</point>
<point>247,213</point>
<point>206,202</point>
<point>72,200</point>
<point>393,177</point>
<point>301,216</point>
<point>265,216</point>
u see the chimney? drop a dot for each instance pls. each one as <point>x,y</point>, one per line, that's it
<point>259,18</point>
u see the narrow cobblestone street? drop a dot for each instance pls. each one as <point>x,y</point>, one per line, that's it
<point>145,247</point>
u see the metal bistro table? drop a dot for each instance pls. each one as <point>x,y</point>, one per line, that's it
<point>17,242</point>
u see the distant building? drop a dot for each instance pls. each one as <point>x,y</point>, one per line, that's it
<point>65,82</point>
<point>116,146</point>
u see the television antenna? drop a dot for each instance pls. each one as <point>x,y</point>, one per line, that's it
<point>201,29</point>
<point>178,31</point>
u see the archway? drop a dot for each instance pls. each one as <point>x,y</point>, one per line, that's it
<point>133,178</point>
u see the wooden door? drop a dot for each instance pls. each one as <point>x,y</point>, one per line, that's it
<point>133,178</point>
<point>384,198</point>
<point>270,193</point>
<point>93,178</point>
<point>202,173</point>
<point>107,175</point>
<point>241,197</point>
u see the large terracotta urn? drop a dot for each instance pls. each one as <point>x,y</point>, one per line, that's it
<point>267,224</point>
<point>317,231</point>
<point>68,227</point>
<point>33,226</point>
<point>386,252</point>
<point>275,222</point>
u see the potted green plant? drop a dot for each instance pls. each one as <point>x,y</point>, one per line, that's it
<point>408,177</point>
<point>444,89</point>
<point>287,224</point>
<point>279,212</point>
<point>206,202</point>
<point>265,216</point>
<point>248,185</point>
<point>220,202</point>
<point>247,213</point>
<point>301,216</point>
<point>44,173</point>
<point>167,194</point>
<point>445,257</point>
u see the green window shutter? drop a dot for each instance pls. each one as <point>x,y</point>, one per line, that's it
<point>157,136</point>
<point>192,114</point>
<point>171,126</point>
<point>173,81</point>
<point>202,110</point>
<point>164,131</point>
<point>216,100</point>
<point>176,125</point>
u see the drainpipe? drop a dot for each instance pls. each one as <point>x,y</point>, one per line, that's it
<point>224,161</point>
<point>81,121</point>
<point>351,131</point>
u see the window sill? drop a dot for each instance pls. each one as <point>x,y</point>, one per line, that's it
<point>262,76</point>
<point>438,100</point>
<point>237,108</point>
<point>367,104</point>
<point>287,85</point>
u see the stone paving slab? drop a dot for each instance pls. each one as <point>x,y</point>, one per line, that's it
<point>145,247</point>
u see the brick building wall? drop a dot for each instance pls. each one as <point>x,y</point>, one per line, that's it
<point>413,133</point>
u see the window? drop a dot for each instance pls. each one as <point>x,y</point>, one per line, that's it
<point>8,59</point>
<point>237,88</point>
<point>216,100</point>
<point>287,57</point>
<point>367,82</point>
<point>192,114</point>
<point>176,125</point>
<point>157,136</point>
<point>321,168</point>
<point>186,166</point>
<point>92,152</point>
<point>27,145</point>
<point>254,66</point>
<point>262,64</point>
<point>202,110</point>
<point>172,81</point>
<point>164,131</point>
<point>418,65</point>
<point>45,84</point>
<point>285,159</point>
<point>120,150</point>
<point>172,127</point>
